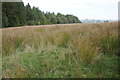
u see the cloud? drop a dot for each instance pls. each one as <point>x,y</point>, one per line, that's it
<point>80,8</point>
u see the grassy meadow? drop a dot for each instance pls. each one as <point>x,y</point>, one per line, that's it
<point>61,51</point>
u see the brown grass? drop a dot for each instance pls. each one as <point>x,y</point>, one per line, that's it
<point>82,38</point>
<point>79,42</point>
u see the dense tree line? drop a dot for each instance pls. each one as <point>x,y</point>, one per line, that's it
<point>16,14</point>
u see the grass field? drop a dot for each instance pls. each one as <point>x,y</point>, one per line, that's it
<point>61,51</point>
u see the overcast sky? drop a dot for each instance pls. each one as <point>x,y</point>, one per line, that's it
<point>83,9</point>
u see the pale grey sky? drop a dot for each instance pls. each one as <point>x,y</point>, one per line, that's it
<point>83,9</point>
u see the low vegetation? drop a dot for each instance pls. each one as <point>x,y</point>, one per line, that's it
<point>61,51</point>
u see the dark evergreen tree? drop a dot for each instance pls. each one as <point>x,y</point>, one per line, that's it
<point>4,20</point>
<point>13,14</point>
<point>29,15</point>
<point>21,13</point>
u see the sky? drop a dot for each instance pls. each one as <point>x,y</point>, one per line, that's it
<point>83,9</point>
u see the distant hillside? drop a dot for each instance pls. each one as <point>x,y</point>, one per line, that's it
<point>95,21</point>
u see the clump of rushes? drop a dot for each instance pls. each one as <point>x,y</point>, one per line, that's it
<point>63,39</point>
<point>84,50</point>
<point>110,45</point>
<point>11,43</point>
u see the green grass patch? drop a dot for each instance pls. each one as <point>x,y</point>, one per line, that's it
<point>53,65</point>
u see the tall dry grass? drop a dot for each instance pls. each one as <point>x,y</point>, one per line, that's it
<point>60,51</point>
<point>87,41</point>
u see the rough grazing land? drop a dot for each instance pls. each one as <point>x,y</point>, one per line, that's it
<point>61,51</point>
